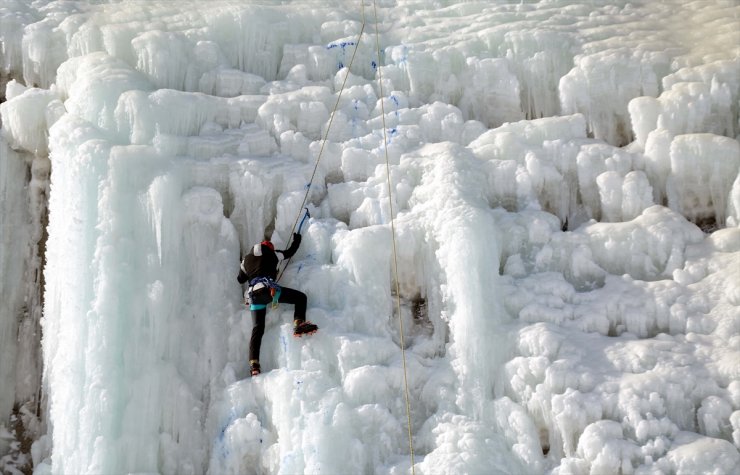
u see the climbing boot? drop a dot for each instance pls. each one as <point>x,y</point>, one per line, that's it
<point>304,328</point>
<point>254,366</point>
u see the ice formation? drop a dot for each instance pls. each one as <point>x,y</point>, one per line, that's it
<point>549,189</point>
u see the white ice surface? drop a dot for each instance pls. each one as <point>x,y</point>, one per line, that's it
<point>562,179</point>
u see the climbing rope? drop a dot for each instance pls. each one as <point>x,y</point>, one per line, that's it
<point>326,136</point>
<point>390,200</point>
<point>393,235</point>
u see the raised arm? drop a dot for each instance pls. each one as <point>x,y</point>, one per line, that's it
<point>288,253</point>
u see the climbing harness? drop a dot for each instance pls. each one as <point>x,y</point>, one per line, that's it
<point>261,292</point>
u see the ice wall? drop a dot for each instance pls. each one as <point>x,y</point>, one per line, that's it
<point>23,233</point>
<point>564,180</point>
<point>14,229</point>
<point>131,280</point>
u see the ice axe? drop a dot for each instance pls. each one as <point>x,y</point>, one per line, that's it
<point>300,226</point>
<point>305,216</point>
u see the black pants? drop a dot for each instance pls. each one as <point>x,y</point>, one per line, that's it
<point>287,295</point>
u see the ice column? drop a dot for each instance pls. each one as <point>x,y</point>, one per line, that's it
<point>140,293</point>
<point>14,228</point>
<point>703,169</point>
<point>24,187</point>
<point>469,254</point>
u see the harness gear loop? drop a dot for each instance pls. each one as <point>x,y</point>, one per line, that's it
<point>275,293</point>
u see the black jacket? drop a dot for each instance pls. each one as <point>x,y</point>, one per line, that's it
<point>264,262</point>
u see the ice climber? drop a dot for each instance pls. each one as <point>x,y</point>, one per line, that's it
<point>259,269</point>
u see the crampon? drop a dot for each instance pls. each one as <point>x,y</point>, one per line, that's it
<point>304,328</point>
<point>255,368</point>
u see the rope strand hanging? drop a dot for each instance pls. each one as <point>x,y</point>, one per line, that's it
<point>393,235</point>
<point>390,199</point>
<point>326,136</point>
